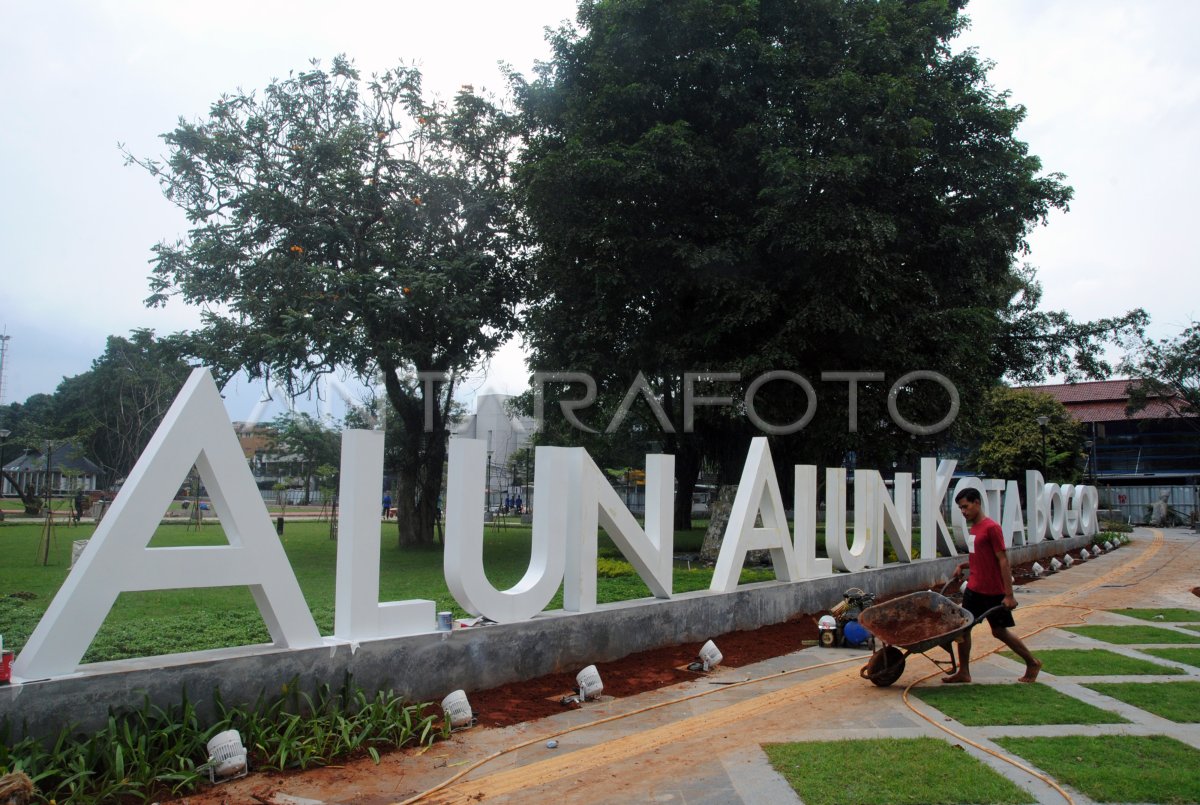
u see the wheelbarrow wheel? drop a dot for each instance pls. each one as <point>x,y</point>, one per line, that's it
<point>885,666</point>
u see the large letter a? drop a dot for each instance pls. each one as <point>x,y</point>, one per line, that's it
<point>197,431</point>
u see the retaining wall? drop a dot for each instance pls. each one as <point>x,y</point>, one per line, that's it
<point>426,667</point>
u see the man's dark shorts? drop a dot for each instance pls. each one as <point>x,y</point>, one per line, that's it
<point>978,603</point>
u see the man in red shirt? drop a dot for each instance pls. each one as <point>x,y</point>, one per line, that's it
<point>989,585</point>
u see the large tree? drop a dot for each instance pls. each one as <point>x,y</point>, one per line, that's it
<point>342,223</point>
<point>756,185</point>
<point>114,408</point>
<point>307,443</point>
<point>1167,372</point>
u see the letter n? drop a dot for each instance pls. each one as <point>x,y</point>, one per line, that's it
<point>196,431</point>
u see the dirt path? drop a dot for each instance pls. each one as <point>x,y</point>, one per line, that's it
<point>707,747</point>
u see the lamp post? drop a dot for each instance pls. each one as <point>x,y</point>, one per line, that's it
<point>1043,421</point>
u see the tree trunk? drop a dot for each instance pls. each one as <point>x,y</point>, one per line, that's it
<point>422,456</point>
<point>33,504</point>
<point>687,471</point>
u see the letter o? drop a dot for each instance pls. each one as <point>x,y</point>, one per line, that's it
<point>923,430</point>
<point>781,430</point>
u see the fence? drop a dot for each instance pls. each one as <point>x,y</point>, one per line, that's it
<point>1137,502</point>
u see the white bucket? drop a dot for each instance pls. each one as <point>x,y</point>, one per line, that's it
<point>457,709</point>
<point>588,682</point>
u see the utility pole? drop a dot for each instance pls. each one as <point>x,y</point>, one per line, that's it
<point>4,339</point>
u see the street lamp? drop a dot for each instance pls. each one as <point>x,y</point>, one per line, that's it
<point>1043,421</point>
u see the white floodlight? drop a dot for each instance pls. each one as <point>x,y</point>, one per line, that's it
<point>1108,544</point>
<point>1068,560</point>
<point>1084,555</point>
<point>588,683</point>
<point>458,710</point>
<point>1055,565</point>
<point>1037,570</point>
<point>226,756</point>
<point>710,656</point>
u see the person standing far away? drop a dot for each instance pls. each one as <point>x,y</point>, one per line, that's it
<point>387,505</point>
<point>989,588</point>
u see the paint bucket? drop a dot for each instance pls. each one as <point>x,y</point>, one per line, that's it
<point>444,621</point>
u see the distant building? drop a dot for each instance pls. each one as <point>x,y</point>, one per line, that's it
<point>505,434</point>
<point>69,472</point>
<point>1135,457</point>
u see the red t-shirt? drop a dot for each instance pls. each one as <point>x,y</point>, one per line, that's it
<point>985,567</point>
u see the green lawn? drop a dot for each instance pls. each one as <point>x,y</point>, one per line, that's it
<point>889,771</point>
<point>1117,768</point>
<point>1093,662</point>
<point>168,621</point>
<point>1012,705</point>
<point>1187,656</point>
<point>1132,635</point>
<point>1169,615</point>
<point>1174,701</point>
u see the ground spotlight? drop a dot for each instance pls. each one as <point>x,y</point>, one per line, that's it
<point>458,710</point>
<point>710,657</point>
<point>1037,570</point>
<point>226,757</point>
<point>1084,555</point>
<point>588,683</point>
<point>1055,565</point>
<point>1068,560</point>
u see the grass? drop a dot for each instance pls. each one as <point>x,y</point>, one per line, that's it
<point>1012,705</point>
<point>1093,662</point>
<point>889,771</point>
<point>1168,615</point>
<point>1187,656</point>
<point>1117,768</point>
<point>1174,701</point>
<point>1131,635</point>
<point>155,622</point>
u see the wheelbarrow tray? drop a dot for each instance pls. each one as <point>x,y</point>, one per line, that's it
<point>917,622</point>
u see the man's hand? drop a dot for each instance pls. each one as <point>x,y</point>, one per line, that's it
<point>1010,601</point>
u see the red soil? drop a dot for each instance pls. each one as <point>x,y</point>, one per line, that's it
<point>646,670</point>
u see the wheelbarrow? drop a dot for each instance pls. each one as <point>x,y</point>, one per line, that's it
<point>914,624</point>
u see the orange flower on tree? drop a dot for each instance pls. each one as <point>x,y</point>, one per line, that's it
<point>296,249</point>
<point>416,200</point>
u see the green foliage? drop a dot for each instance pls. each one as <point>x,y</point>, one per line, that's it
<point>341,223</point>
<point>1094,662</point>
<point>1012,438</point>
<point>613,568</point>
<point>1174,701</point>
<point>889,771</point>
<point>1009,705</point>
<point>1168,375</point>
<point>1116,768</point>
<point>751,186</point>
<point>153,751</point>
<point>1131,635</point>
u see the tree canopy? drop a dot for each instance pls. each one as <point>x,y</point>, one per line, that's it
<point>756,185</point>
<point>1013,440</point>
<point>337,222</point>
<point>1168,371</point>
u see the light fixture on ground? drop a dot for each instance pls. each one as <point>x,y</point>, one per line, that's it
<point>1084,555</point>
<point>1068,560</point>
<point>588,684</point>
<point>226,757</point>
<point>710,657</point>
<point>1055,565</point>
<point>827,626</point>
<point>1109,545</point>
<point>1037,570</point>
<point>458,710</point>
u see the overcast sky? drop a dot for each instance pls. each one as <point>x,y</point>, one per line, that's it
<point>1112,89</point>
